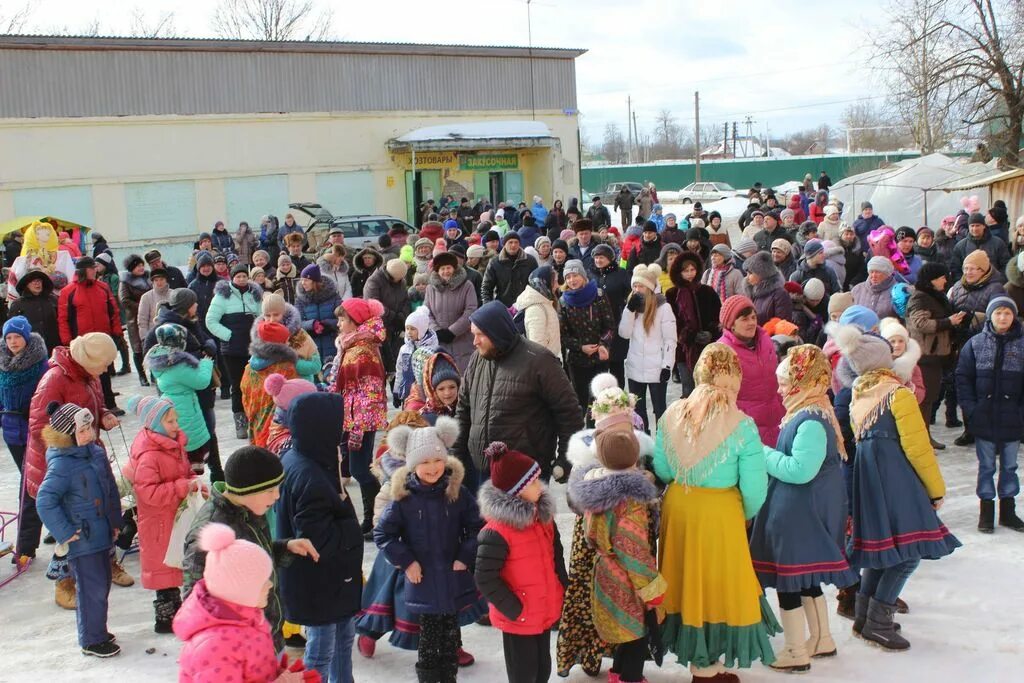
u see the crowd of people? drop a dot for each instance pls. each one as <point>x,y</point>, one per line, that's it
<point>519,345</point>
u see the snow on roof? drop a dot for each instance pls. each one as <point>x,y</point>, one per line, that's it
<point>483,130</point>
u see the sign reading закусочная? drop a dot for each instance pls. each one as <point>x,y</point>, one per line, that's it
<point>488,162</point>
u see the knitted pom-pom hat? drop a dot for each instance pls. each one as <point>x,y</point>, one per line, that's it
<point>426,443</point>
<point>284,391</point>
<point>511,471</point>
<point>236,571</point>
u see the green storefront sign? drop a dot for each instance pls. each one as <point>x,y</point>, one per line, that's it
<point>488,162</point>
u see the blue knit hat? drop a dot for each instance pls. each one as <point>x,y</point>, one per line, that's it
<point>998,302</point>
<point>19,324</point>
<point>861,316</point>
<point>450,224</point>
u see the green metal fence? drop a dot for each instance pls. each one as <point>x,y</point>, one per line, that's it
<point>740,173</point>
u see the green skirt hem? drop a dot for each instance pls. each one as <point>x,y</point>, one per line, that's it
<point>736,646</point>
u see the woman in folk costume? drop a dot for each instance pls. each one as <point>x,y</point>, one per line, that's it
<point>897,487</point>
<point>41,252</point>
<point>578,640</point>
<point>798,537</point>
<point>709,453</point>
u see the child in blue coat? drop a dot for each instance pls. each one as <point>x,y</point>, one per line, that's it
<point>418,335</point>
<point>429,531</point>
<point>78,502</point>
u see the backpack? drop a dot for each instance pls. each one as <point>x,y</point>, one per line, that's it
<point>519,320</point>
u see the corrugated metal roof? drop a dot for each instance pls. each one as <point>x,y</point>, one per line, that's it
<point>84,78</point>
<point>48,42</point>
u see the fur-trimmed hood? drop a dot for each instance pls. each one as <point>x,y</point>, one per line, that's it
<point>163,358</point>
<point>404,477</point>
<point>386,465</point>
<point>357,262</point>
<point>598,489</point>
<point>33,353</point>
<point>905,364</point>
<point>328,290</point>
<point>291,319</point>
<point>500,506</point>
<point>458,277</point>
<point>272,352</point>
<point>225,289</point>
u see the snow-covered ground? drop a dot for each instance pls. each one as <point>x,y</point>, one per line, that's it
<point>966,620</point>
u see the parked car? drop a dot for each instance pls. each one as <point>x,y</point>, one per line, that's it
<point>360,230</point>
<point>706,192</point>
<point>613,189</point>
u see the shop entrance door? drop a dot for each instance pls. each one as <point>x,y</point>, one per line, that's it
<point>418,189</point>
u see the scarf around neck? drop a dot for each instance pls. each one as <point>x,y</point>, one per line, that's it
<point>698,425</point>
<point>584,296</point>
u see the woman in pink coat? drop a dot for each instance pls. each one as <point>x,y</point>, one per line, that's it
<point>159,470</point>
<point>227,638</point>
<point>759,390</point>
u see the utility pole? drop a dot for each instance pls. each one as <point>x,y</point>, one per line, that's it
<point>636,137</point>
<point>629,128</point>
<point>734,125</point>
<point>725,140</point>
<point>696,134</point>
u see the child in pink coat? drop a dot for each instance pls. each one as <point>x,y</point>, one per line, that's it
<point>227,638</point>
<point>160,472</point>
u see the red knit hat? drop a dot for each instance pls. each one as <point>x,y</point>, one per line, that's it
<point>275,333</point>
<point>361,310</point>
<point>511,471</point>
<point>793,287</point>
<point>731,310</point>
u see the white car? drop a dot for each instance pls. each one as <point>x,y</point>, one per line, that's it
<point>706,192</point>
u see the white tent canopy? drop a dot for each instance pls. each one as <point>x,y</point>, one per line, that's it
<point>913,192</point>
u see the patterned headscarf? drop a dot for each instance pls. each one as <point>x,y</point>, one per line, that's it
<point>697,425</point>
<point>807,375</point>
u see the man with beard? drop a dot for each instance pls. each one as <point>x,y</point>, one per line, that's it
<point>514,390</point>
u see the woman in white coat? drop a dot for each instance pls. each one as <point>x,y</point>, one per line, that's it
<point>650,326</point>
<point>538,305</point>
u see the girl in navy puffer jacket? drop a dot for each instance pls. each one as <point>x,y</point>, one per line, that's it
<point>430,532</point>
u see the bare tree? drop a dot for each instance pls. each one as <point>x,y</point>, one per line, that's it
<point>159,26</point>
<point>613,149</point>
<point>911,52</point>
<point>668,136</point>
<point>14,20</point>
<point>986,61</point>
<point>272,20</point>
<point>872,129</point>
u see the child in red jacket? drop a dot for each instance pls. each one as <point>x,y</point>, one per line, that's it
<point>519,564</point>
<point>159,470</point>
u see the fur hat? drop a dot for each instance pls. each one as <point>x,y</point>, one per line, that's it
<point>617,449</point>
<point>604,250</point>
<point>68,418</point>
<point>284,391</point>
<point>172,335</point>
<point>94,351</point>
<point>427,443</point>
<point>236,571</point>
<point>761,265</point>
<point>647,276</point>
<point>361,310</point>
<point>583,224</point>
<point>864,351</point>
<point>397,269</point>
<point>511,471</point>
<point>252,469</point>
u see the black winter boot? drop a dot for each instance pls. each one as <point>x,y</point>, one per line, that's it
<point>143,380</point>
<point>1008,515</point>
<point>368,494</point>
<point>165,609</point>
<point>986,518</point>
<point>241,426</point>
<point>879,628</point>
<point>965,439</point>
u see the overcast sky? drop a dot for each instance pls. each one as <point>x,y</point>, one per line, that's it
<point>789,64</point>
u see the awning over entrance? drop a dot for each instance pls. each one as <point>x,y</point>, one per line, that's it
<point>476,136</point>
